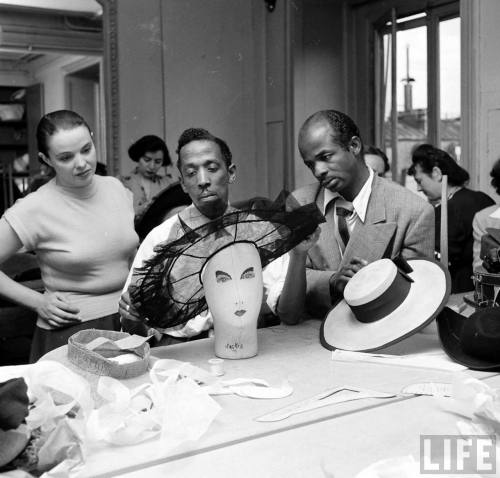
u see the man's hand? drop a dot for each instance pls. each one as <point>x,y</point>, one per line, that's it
<point>57,311</point>
<point>126,309</point>
<point>130,318</point>
<point>339,279</point>
<point>307,243</point>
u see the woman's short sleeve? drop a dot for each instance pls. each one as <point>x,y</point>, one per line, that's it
<point>23,218</point>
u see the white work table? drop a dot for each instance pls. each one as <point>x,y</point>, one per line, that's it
<point>356,432</point>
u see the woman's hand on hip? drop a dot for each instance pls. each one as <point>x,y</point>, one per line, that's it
<point>57,311</point>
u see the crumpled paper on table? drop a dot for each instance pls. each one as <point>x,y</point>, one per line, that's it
<point>475,400</point>
<point>176,404</point>
<point>479,405</point>
<point>61,403</point>
<point>173,406</point>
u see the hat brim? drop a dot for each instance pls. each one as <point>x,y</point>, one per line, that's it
<point>428,294</point>
<point>450,324</point>
<point>170,197</point>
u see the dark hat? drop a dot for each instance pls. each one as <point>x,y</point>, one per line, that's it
<point>384,303</point>
<point>167,291</point>
<point>471,341</point>
<point>14,408</point>
<point>171,197</point>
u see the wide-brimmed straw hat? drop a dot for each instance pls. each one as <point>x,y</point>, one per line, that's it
<point>167,291</point>
<point>384,303</point>
<point>471,341</point>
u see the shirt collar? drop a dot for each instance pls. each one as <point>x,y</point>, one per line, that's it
<point>360,202</point>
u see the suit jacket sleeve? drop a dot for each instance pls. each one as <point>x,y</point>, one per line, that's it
<point>419,237</point>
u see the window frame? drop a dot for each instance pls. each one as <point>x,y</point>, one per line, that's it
<point>434,15</point>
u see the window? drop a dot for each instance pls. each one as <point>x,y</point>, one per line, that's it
<point>423,82</point>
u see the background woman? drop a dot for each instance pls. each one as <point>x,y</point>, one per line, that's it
<point>145,181</point>
<point>81,228</point>
<point>429,166</point>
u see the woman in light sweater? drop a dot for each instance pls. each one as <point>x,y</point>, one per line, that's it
<point>81,228</point>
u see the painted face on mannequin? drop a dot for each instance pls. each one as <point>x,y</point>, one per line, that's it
<point>72,155</point>
<point>232,281</point>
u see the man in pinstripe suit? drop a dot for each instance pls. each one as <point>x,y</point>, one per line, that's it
<point>386,219</point>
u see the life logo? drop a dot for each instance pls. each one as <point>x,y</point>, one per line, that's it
<point>458,454</point>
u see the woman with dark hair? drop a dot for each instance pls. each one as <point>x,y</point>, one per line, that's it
<point>376,159</point>
<point>489,217</point>
<point>147,180</point>
<point>81,228</point>
<point>429,166</point>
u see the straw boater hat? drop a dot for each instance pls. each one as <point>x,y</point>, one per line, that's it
<point>471,341</point>
<point>384,303</point>
<point>167,291</point>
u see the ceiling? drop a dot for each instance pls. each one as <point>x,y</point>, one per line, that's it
<point>33,21</point>
<point>88,7</point>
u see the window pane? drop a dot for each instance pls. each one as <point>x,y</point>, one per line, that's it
<point>411,94</point>
<point>449,71</point>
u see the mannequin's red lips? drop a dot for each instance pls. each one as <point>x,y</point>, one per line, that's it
<point>240,312</point>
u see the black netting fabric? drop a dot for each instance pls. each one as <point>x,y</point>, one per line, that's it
<point>167,290</point>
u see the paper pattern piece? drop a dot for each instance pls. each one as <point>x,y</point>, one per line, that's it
<point>435,389</point>
<point>437,360</point>
<point>328,397</point>
<point>127,343</point>
<point>244,387</point>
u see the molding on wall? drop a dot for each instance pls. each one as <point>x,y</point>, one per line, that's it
<point>470,88</point>
<point>111,84</point>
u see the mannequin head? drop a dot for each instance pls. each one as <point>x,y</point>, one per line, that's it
<point>232,281</point>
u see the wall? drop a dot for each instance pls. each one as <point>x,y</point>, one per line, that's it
<point>140,73</point>
<point>481,89</point>
<point>213,79</point>
<point>51,73</point>
<point>10,77</point>
<point>319,81</point>
<point>187,63</point>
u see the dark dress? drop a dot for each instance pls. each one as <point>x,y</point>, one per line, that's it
<point>461,209</point>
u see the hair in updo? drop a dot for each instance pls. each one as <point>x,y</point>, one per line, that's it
<point>428,157</point>
<point>149,144</point>
<point>53,122</point>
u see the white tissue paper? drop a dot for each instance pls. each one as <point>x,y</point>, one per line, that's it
<point>172,406</point>
<point>479,405</point>
<point>61,403</point>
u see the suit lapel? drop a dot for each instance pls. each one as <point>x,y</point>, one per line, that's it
<point>370,239</point>
<point>327,242</point>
